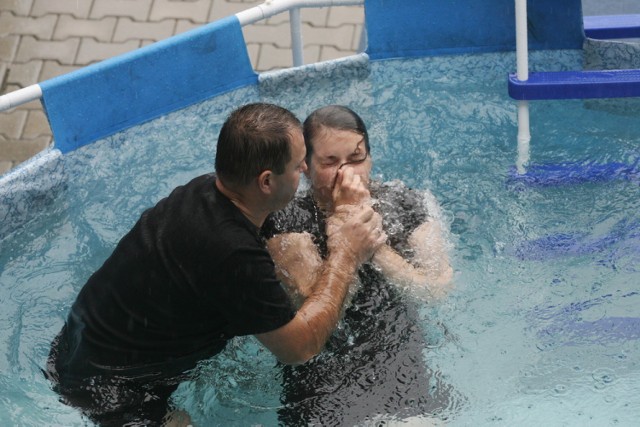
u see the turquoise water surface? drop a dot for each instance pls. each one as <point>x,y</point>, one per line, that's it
<point>543,326</point>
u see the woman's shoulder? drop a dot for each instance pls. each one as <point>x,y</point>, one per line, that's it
<point>296,217</point>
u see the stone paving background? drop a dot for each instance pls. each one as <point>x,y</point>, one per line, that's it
<point>41,39</point>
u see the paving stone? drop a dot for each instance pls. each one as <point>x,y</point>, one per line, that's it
<point>277,35</point>
<point>253,51</point>
<point>41,28</point>
<point>9,47</point>
<point>5,166</point>
<point>63,51</point>
<point>359,39</point>
<point>272,57</point>
<point>77,8</point>
<point>316,16</point>
<point>36,125</point>
<point>193,10</point>
<point>19,7</point>
<point>93,51</point>
<point>135,9</point>
<point>311,54</point>
<point>12,122</point>
<point>127,29</point>
<point>339,15</point>
<point>19,151</point>
<point>51,69</point>
<point>222,9</point>
<point>339,37</point>
<point>328,53</point>
<point>184,25</point>
<point>26,74</point>
<point>278,19</point>
<point>4,74</point>
<point>100,29</point>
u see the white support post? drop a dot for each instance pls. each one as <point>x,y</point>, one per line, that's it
<point>296,37</point>
<point>522,58</point>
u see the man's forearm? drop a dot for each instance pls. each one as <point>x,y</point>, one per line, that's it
<point>321,310</point>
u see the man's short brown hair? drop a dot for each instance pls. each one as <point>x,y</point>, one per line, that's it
<point>255,138</point>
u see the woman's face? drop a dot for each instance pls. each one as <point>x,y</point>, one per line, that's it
<point>333,149</point>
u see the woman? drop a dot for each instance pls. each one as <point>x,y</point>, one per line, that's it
<point>373,365</point>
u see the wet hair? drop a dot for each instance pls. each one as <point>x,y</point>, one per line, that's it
<point>333,117</point>
<point>255,138</point>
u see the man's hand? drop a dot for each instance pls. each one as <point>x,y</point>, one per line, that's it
<point>359,235</point>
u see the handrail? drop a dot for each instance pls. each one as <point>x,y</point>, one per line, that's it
<point>257,13</point>
<point>20,96</point>
<point>273,7</point>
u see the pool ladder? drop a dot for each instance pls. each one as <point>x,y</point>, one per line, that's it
<point>525,86</point>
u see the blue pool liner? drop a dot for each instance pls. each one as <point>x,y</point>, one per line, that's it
<point>569,173</point>
<point>427,28</point>
<point>579,243</point>
<point>607,330</point>
<point>28,190</point>
<point>102,99</point>
<point>565,324</point>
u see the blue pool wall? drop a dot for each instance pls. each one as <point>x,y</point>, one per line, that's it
<point>400,29</point>
<point>102,99</point>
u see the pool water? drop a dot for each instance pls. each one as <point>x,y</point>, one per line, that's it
<point>543,326</point>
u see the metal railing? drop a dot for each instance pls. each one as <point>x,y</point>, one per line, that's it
<point>257,13</point>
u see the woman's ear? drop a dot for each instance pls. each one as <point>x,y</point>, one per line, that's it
<point>265,182</point>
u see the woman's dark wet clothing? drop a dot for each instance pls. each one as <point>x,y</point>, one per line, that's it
<point>191,274</point>
<point>374,364</point>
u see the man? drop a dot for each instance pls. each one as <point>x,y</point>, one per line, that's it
<point>193,273</point>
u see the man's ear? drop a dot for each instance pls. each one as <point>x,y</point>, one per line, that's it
<point>265,182</point>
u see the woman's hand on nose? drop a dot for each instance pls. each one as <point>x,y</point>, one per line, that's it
<point>349,188</point>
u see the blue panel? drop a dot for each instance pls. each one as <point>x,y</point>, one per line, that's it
<point>545,175</point>
<point>104,98</point>
<point>576,85</point>
<point>402,28</point>
<point>612,26</point>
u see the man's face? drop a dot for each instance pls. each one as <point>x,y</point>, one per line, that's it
<point>287,183</point>
<point>333,149</point>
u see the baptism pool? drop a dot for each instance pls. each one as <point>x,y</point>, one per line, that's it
<point>543,326</point>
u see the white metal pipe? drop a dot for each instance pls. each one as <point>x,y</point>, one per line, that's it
<point>274,7</point>
<point>522,60</point>
<point>296,37</point>
<point>20,96</point>
<point>522,43</point>
<point>524,136</point>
